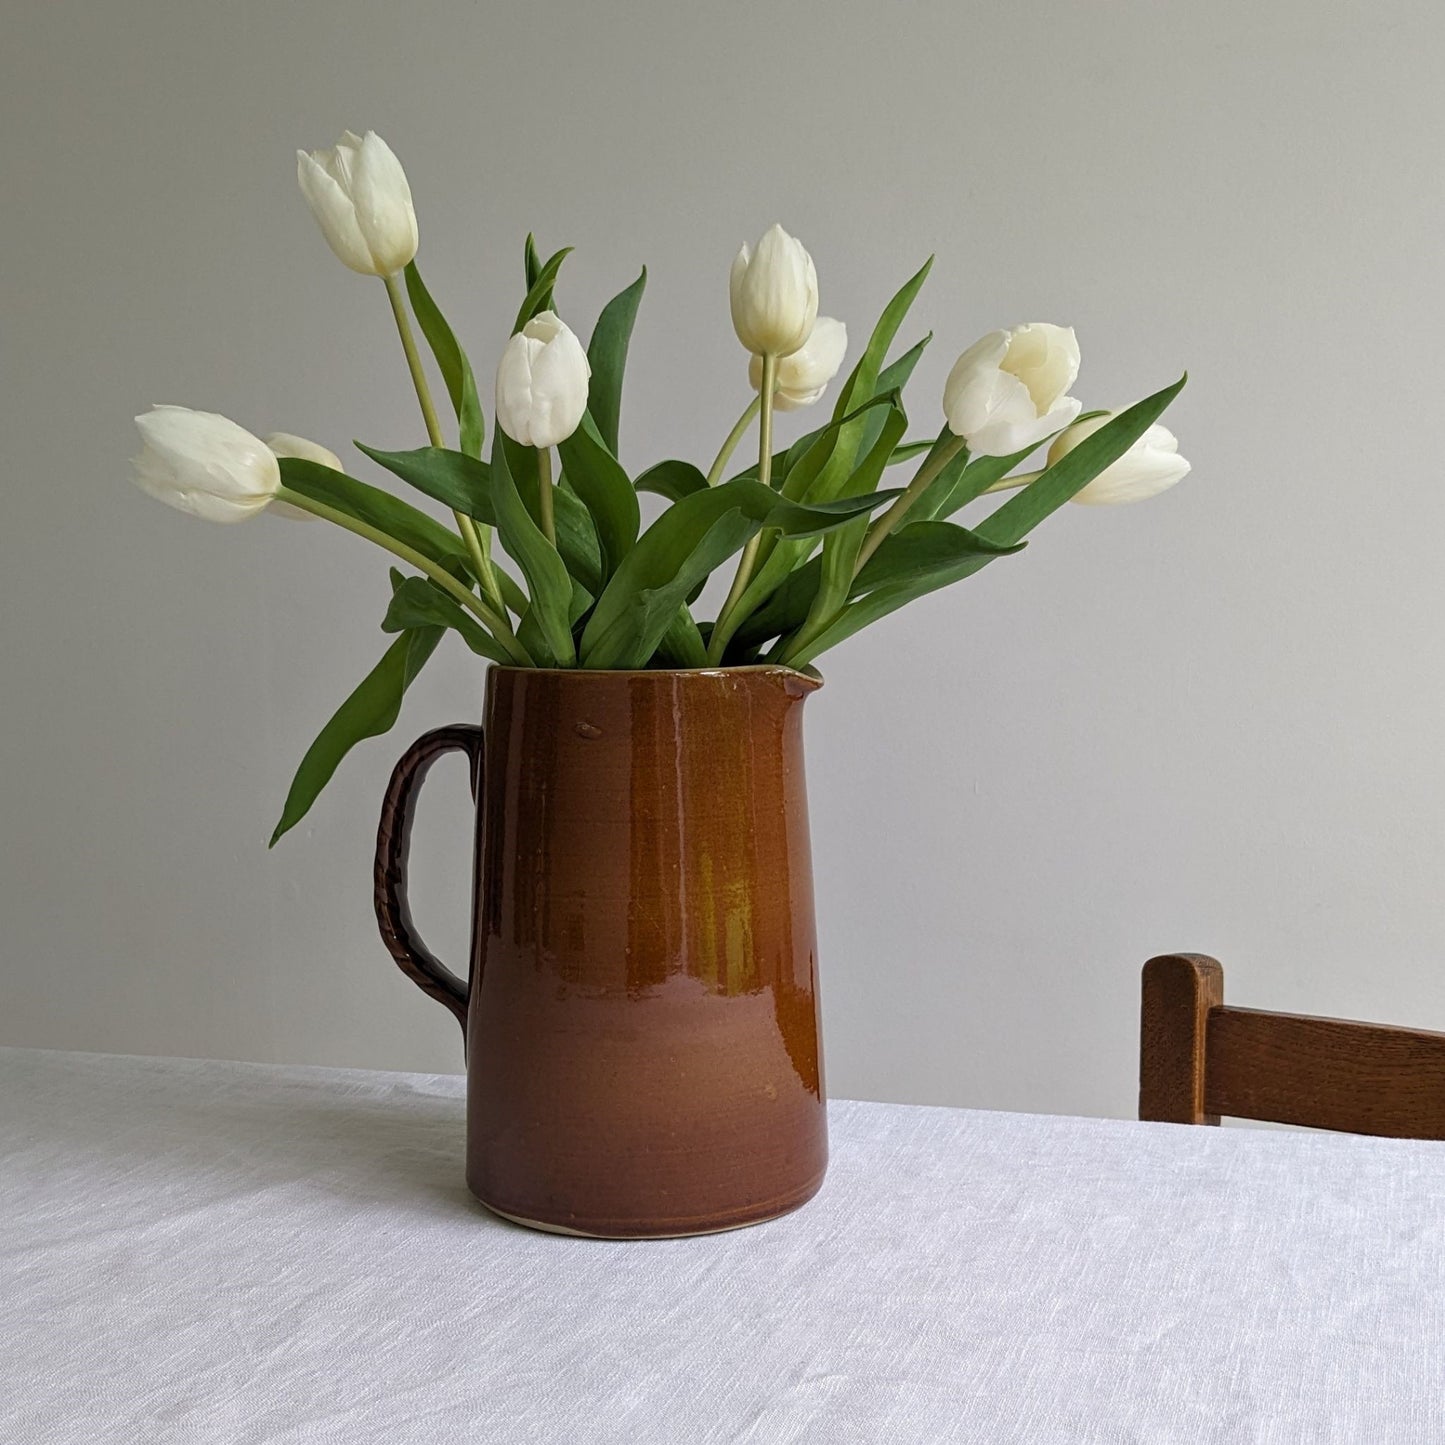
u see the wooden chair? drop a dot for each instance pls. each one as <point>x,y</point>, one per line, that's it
<point>1199,1060</point>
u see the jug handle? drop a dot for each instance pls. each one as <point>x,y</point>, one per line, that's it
<point>393,837</point>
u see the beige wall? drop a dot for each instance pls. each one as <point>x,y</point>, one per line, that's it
<point>1210,722</point>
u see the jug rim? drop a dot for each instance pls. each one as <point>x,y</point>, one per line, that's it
<point>809,675</point>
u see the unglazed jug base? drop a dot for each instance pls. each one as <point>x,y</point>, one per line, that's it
<point>665,1229</point>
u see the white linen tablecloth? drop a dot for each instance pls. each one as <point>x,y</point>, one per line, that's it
<point>227,1253</point>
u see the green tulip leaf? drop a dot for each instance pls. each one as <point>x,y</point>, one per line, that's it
<point>813,519</point>
<point>642,601</point>
<point>841,547</point>
<point>531,261</point>
<point>682,644</point>
<point>778,557</point>
<point>893,378</point>
<point>597,479</point>
<point>949,455</point>
<point>921,559</point>
<point>863,386</point>
<point>820,441</point>
<point>863,381</point>
<point>780,467</point>
<point>370,711</point>
<point>786,610</point>
<point>451,361</point>
<point>824,468</point>
<point>820,467</point>
<point>447,476</point>
<point>673,480</point>
<point>576,535</point>
<point>681,549</point>
<point>607,356</point>
<point>462,482</point>
<point>513,598</point>
<point>373,506</point>
<point>579,605</point>
<point>964,480</point>
<point>924,548</point>
<point>910,553</point>
<point>549,585</point>
<point>529,630</point>
<point>418,602</point>
<point>913,553</point>
<point>907,451</point>
<point>539,293</point>
<point>1002,530</point>
<point>577,539</point>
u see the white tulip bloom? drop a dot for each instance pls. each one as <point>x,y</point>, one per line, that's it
<point>1009,390</point>
<point>803,376</point>
<point>774,295</point>
<point>542,382</point>
<point>359,194</point>
<point>1152,465</point>
<point>204,464</point>
<point>286,445</point>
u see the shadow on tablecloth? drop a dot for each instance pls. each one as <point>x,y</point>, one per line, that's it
<point>232,1130</point>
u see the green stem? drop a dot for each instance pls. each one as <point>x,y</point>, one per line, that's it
<point>736,435</point>
<point>895,514</point>
<point>544,495</point>
<point>413,358</point>
<point>727,621</point>
<point>1009,484</point>
<point>478,548</point>
<point>765,420</point>
<point>498,626</point>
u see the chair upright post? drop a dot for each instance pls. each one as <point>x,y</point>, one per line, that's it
<point>1179,991</point>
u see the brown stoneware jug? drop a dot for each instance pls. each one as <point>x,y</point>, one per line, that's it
<point>640,1018</point>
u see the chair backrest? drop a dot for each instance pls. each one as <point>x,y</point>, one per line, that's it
<point>1199,1060</point>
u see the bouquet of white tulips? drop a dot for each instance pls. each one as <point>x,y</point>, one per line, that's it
<point>817,544</point>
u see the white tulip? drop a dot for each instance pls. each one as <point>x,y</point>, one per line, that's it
<point>286,445</point>
<point>359,194</point>
<point>542,383</point>
<point>1009,390</point>
<point>1152,465</point>
<point>804,376</point>
<point>204,464</point>
<point>774,295</point>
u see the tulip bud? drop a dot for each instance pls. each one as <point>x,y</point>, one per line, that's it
<point>1009,390</point>
<point>542,383</point>
<point>804,376</point>
<point>286,445</point>
<point>204,464</point>
<point>774,295</point>
<point>359,194</point>
<point>1152,465</point>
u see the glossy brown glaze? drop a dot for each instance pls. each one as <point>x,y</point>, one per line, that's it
<point>642,1022</point>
